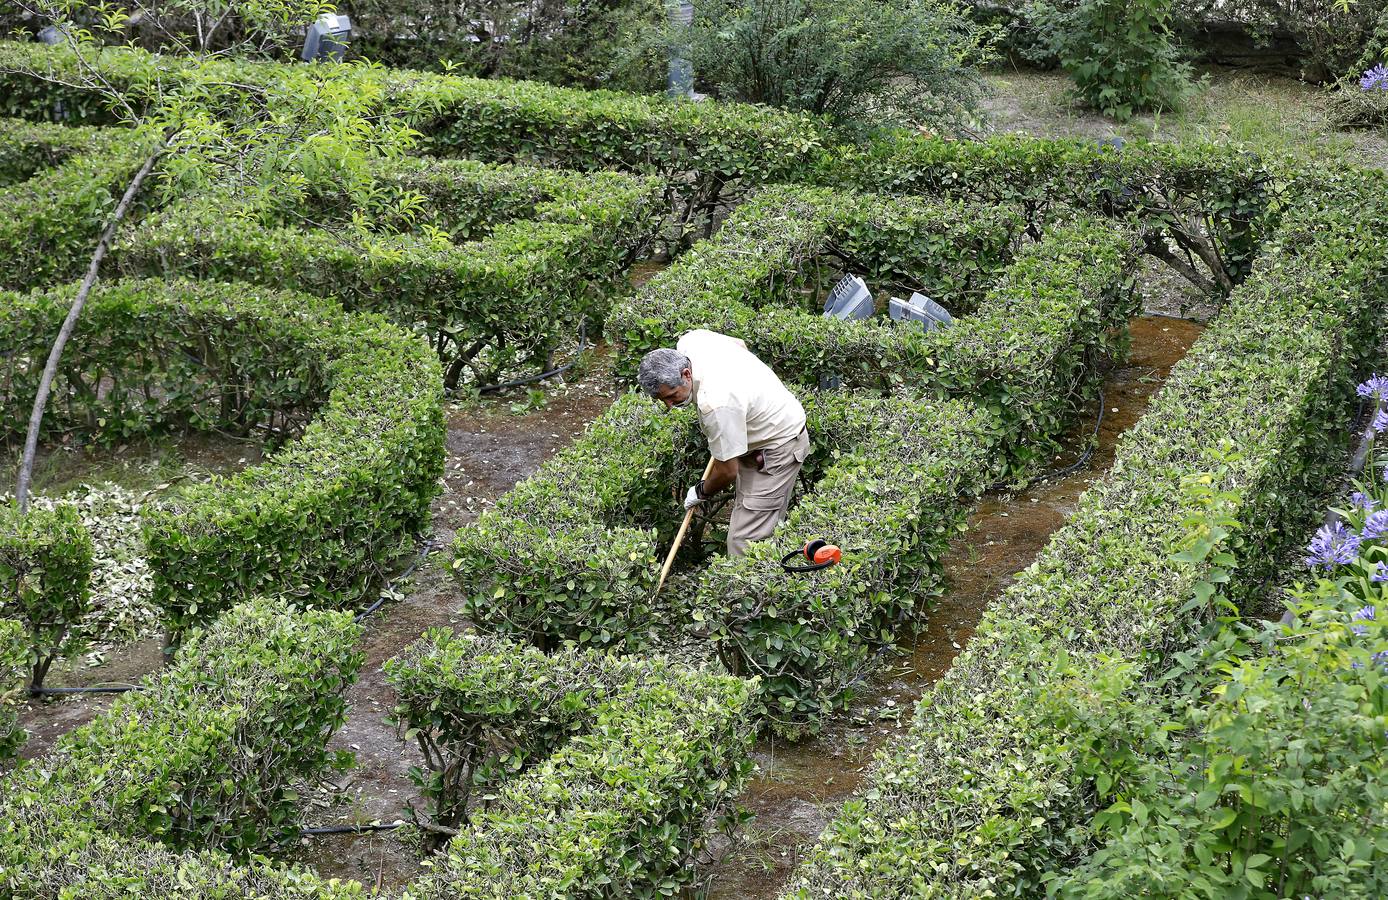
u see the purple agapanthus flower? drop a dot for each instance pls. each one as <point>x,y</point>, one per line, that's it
<point>1380,421</point>
<point>1363,614</point>
<point>1380,573</point>
<point>1381,657</point>
<point>1334,545</point>
<point>1374,79</point>
<point>1375,526</point>
<point>1376,387</point>
<point>1363,501</point>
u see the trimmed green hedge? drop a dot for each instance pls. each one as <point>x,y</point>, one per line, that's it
<point>71,862</point>
<point>45,579</point>
<point>984,793</point>
<point>57,186</point>
<point>491,294</point>
<point>620,808</point>
<point>769,252</point>
<point>26,148</point>
<point>317,521</point>
<point>1072,289</point>
<point>1218,202</point>
<point>209,754</point>
<point>892,498</point>
<point>14,683</point>
<point>705,152</point>
<point>571,554</point>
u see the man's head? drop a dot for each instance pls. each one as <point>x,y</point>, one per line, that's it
<point>666,376</point>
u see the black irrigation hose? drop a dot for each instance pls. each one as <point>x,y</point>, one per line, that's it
<point>45,691</point>
<point>351,829</point>
<point>419,558</point>
<point>1073,467</point>
<point>558,370</point>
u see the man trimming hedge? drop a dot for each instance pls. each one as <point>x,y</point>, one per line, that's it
<point>755,427</point>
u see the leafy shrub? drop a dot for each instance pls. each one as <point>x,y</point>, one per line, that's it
<point>912,63</point>
<point>503,295</point>
<point>29,147</point>
<point>708,152</point>
<point>317,521</point>
<point>892,499</point>
<point>45,580</point>
<point>770,250</point>
<point>620,808</point>
<point>1213,205</point>
<point>984,792</point>
<point>1072,288</point>
<point>49,221</point>
<point>14,681</point>
<point>1258,769</point>
<point>570,553</point>
<point>1121,55</point>
<point>569,44</point>
<point>210,752</point>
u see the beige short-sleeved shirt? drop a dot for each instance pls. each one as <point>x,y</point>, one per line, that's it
<point>743,406</point>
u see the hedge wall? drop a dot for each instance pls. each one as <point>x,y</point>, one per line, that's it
<point>571,554</point>
<point>208,755</point>
<point>57,186</point>
<point>1073,289</point>
<point>1210,207</point>
<point>619,810</point>
<point>983,794</point>
<point>45,579</point>
<point>26,148</point>
<point>14,682</point>
<point>490,294</point>
<point>321,517</point>
<point>701,148</point>
<point>892,499</point>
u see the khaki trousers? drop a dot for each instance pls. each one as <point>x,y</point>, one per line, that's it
<point>763,491</point>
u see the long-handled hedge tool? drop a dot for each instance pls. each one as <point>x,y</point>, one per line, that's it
<point>679,536</point>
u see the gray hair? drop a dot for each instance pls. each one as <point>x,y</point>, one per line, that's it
<point>661,368</point>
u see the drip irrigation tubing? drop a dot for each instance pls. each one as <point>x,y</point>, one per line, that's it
<point>1062,472</point>
<point>352,829</point>
<point>558,370</point>
<point>424,551</point>
<point>111,689</point>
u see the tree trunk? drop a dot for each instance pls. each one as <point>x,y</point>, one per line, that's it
<point>50,369</point>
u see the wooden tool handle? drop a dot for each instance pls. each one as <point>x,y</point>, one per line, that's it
<point>679,536</point>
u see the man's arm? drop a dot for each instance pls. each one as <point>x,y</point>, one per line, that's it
<point>723,473</point>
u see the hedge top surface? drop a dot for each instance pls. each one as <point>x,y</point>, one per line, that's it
<point>495,118</point>
<point>1104,599</point>
<point>377,380</point>
<point>28,147</point>
<point>317,519</point>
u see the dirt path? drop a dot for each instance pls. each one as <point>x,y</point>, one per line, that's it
<point>489,449</point>
<point>801,786</point>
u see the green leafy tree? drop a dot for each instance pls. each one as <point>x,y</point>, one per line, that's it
<point>298,131</point>
<point>866,63</point>
<point>1120,53</point>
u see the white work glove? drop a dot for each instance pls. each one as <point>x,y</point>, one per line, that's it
<point>692,499</point>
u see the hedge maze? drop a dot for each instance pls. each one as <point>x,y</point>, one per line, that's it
<point>568,753</point>
<point>354,403</point>
<point>500,266</point>
<point>56,187</point>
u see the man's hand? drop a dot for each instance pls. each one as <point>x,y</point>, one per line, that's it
<point>692,499</point>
